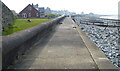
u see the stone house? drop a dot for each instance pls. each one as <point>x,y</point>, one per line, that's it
<point>7,16</point>
<point>30,12</point>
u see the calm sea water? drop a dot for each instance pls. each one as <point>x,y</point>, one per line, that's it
<point>110,17</point>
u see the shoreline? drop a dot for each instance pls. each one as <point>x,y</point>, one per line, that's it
<point>110,19</point>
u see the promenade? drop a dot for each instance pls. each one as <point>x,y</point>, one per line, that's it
<point>65,47</point>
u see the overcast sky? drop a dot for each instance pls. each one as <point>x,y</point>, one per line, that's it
<point>78,6</point>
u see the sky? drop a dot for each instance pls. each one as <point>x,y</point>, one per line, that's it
<point>106,7</point>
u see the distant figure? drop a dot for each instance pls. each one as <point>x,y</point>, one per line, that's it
<point>28,20</point>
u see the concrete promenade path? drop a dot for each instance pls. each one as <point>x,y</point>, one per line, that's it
<point>63,48</point>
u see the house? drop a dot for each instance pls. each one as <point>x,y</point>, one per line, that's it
<point>40,9</point>
<point>30,12</point>
<point>47,11</point>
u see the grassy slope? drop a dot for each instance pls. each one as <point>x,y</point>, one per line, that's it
<point>21,24</point>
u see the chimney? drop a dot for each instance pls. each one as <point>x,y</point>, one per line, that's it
<point>37,5</point>
<point>32,4</point>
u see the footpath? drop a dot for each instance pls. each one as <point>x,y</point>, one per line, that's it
<point>66,47</point>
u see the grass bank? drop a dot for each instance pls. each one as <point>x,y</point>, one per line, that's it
<point>21,24</point>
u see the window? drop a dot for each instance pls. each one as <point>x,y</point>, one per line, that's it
<point>29,8</point>
<point>29,14</point>
<point>24,15</point>
<point>37,14</point>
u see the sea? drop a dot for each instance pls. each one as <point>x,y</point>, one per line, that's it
<point>110,17</point>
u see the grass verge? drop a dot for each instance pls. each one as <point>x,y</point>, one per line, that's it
<point>21,24</point>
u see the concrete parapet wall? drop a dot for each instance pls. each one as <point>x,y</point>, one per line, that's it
<point>15,45</point>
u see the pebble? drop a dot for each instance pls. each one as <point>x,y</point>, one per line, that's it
<point>105,38</point>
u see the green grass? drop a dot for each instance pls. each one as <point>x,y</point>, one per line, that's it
<point>21,24</point>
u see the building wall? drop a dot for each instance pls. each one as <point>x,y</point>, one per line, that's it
<point>30,12</point>
<point>47,11</point>
<point>42,11</point>
<point>7,16</point>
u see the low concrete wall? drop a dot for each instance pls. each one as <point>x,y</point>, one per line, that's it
<point>15,45</point>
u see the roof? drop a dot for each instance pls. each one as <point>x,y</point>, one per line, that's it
<point>27,7</point>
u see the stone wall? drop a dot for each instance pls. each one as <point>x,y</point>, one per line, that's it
<point>7,16</point>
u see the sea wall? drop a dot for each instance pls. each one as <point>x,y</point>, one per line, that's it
<point>15,45</point>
